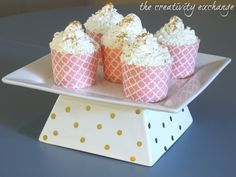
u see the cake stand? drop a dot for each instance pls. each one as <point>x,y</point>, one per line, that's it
<point>102,121</point>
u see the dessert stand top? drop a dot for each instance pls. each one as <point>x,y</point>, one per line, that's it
<point>38,75</point>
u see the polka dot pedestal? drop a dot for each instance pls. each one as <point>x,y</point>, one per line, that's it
<point>130,134</point>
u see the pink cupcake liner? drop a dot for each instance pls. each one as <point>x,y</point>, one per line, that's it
<point>184,59</point>
<point>96,37</point>
<point>74,71</point>
<point>145,84</point>
<point>112,64</point>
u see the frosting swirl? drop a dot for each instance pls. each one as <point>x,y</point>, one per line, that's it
<point>73,40</point>
<point>103,19</point>
<point>126,30</point>
<point>145,51</point>
<point>174,33</point>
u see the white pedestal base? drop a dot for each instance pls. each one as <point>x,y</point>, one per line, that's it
<point>131,134</point>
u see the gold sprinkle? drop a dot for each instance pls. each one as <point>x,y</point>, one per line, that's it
<point>119,132</point>
<point>109,4</point>
<point>82,140</point>
<point>75,22</point>
<point>132,158</point>
<point>139,143</point>
<point>55,132</point>
<point>138,111</point>
<point>107,147</point>
<point>121,36</point>
<point>126,20</point>
<point>112,115</point>
<point>172,25</point>
<point>88,108</point>
<point>76,125</point>
<point>99,126</point>
<point>68,109</point>
<point>53,116</point>
<point>142,35</point>
<point>45,137</point>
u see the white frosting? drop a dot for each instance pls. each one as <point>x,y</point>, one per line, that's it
<point>103,19</point>
<point>174,33</point>
<point>145,51</point>
<point>126,30</point>
<point>73,40</point>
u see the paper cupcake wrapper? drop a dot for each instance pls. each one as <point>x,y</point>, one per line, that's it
<point>74,71</point>
<point>112,64</point>
<point>145,84</point>
<point>184,59</point>
<point>96,37</point>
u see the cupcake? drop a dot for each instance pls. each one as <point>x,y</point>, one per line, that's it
<point>112,43</point>
<point>101,21</point>
<point>182,44</point>
<point>74,57</point>
<point>146,69</point>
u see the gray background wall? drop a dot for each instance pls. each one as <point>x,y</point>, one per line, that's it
<point>12,7</point>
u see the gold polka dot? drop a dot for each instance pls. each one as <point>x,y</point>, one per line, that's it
<point>68,109</point>
<point>138,111</point>
<point>82,140</point>
<point>139,143</point>
<point>53,116</point>
<point>112,115</point>
<point>107,147</point>
<point>88,108</point>
<point>119,132</point>
<point>55,132</point>
<point>76,125</point>
<point>45,137</point>
<point>99,126</point>
<point>132,158</point>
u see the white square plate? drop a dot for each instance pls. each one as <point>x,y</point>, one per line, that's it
<point>38,75</point>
